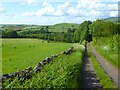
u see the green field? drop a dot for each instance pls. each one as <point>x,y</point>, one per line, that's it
<point>63,72</point>
<point>19,54</point>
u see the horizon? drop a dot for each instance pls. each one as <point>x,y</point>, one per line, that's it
<point>34,12</point>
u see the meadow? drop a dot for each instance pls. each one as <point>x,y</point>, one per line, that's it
<point>19,54</point>
<point>63,72</point>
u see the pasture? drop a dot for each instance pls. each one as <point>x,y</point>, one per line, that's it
<point>19,54</point>
<point>62,72</point>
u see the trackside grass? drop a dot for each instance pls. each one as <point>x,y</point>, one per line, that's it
<point>63,72</point>
<point>108,48</point>
<point>104,78</point>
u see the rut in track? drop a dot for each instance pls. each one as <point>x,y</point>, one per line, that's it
<point>90,79</point>
<point>111,70</point>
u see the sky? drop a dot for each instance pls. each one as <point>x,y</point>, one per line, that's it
<point>49,12</point>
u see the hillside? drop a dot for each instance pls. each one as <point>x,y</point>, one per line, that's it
<point>14,26</point>
<point>113,19</point>
<point>63,27</point>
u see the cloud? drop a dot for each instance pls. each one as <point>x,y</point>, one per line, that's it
<point>58,12</point>
<point>63,6</point>
<point>2,10</point>
<point>28,14</point>
<point>83,8</point>
<point>113,13</point>
<point>30,2</point>
<point>71,12</point>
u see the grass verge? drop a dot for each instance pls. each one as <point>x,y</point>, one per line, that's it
<point>104,78</point>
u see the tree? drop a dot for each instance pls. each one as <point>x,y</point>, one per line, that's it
<point>9,34</point>
<point>83,32</point>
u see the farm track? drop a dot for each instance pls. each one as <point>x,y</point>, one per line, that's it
<point>89,77</point>
<point>111,70</point>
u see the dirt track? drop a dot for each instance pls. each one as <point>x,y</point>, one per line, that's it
<point>90,79</point>
<point>111,70</point>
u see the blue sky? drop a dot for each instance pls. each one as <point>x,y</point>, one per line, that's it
<point>47,12</point>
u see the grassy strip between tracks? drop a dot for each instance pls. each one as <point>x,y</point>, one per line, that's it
<point>104,78</point>
<point>63,72</point>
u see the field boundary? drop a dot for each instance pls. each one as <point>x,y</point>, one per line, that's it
<point>29,72</point>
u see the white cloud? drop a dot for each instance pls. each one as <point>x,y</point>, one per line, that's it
<point>67,12</point>
<point>113,13</point>
<point>46,10</point>
<point>64,6</point>
<point>72,11</point>
<point>30,2</point>
<point>112,7</point>
<point>84,8</point>
<point>58,12</point>
<point>28,14</point>
<point>2,10</point>
<point>45,3</point>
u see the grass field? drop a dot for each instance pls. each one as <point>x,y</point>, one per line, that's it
<point>63,72</point>
<point>19,54</point>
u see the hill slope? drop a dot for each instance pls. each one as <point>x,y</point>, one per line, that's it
<point>113,19</point>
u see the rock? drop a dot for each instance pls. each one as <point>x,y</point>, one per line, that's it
<point>12,75</point>
<point>56,55</point>
<point>37,69</point>
<point>21,74</point>
<point>52,57</point>
<point>41,63</point>
<point>48,60</point>
<point>44,62</point>
<point>5,76</point>
<point>64,52</point>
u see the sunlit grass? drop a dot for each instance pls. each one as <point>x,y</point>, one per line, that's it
<point>108,48</point>
<point>19,54</point>
<point>63,72</point>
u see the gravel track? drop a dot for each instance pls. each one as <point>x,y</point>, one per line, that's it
<point>111,70</point>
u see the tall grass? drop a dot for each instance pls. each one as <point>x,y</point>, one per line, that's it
<point>108,47</point>
<point>63,72</point>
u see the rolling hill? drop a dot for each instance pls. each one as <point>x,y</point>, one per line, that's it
<point>113,19</point>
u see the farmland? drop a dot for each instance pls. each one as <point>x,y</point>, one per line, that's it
<point>63,72</point>
<point>59,55</point>
<point>20,53</point>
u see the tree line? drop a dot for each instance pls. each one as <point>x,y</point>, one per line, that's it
<point>87,31</point>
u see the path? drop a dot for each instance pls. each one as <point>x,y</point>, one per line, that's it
<point>111,70</point>
<point>90,79</point>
